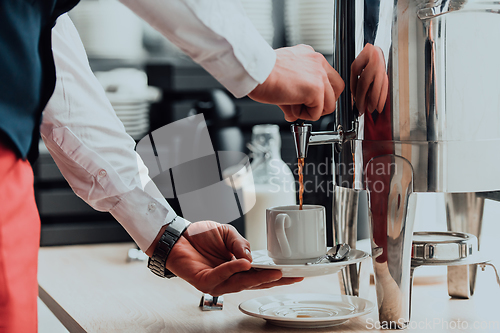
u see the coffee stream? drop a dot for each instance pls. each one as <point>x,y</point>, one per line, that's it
<point>301,181</point>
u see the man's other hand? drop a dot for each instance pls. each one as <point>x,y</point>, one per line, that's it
<point>302,83</point>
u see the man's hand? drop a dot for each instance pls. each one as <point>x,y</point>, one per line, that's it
<point>302,83</point>
<point>369,81</point>
<point>216,259</point>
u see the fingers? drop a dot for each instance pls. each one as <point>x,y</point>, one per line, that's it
<point>369,82</point>
<point>334,79</point>
<point>246,280</point>
<point>287,111</point>
<point>365,81</point>
<point>297,110</point>
<point>330,100</point>
<point>384,82</point>
<point>334,86</point>
<point>224,272</point>
<point>357,67</point>
<point>280,282</point>
<point>381,82</point>
<point>383,94</point>
<point>314,110</point>
<point>235,243</point>
<point>376,90</point>
<point>308,112</point>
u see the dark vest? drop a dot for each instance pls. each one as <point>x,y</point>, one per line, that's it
<point>27,72</point>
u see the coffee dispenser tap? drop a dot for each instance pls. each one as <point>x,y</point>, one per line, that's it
<point>303,137</point>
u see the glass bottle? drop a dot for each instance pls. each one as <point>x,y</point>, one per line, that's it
<point>274,183</point>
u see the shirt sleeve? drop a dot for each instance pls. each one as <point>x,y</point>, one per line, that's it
<point>217,34</point>
<point>91,148</point>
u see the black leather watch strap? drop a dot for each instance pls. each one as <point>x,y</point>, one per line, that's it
<point>172,233</point>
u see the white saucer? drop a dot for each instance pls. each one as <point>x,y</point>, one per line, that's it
<point>306,310</point>
<point>262,261</point>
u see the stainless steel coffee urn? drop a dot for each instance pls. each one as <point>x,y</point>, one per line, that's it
<point>432,66</point>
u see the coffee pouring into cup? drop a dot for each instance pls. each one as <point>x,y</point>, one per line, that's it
<point>296,236</point>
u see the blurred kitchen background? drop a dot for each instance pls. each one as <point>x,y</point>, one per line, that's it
<point>151,83</point>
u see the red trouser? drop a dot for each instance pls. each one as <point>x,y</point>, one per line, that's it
<point>19,242</point>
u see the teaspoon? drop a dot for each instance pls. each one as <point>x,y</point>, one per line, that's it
<point>336,253</point>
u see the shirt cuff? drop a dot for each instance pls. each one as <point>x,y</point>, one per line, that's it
<point>241,81</point>
<point>142,216</point>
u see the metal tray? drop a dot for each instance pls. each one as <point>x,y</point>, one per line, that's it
<point>444,248</point>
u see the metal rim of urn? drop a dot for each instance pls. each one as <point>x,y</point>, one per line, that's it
<point>443,248</point>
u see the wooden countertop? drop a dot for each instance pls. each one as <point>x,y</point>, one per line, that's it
<point>91,288</point>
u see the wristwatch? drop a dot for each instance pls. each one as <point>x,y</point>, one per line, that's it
<point>172,233</point>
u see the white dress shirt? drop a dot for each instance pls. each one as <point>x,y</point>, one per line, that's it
<point>216,34</point>
<point>87,140</point>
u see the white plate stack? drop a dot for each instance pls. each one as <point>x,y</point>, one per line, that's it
<point>130,96</point>
<point>260,12</point>
<point>310,22</point>
<point>108,29</point>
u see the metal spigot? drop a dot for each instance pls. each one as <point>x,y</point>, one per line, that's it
<point>303,137</point>
<point>301,134</point>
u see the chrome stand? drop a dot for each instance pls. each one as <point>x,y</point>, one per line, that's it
<point>464,213</point>
<point>344,226</point>
<point>389,181</point>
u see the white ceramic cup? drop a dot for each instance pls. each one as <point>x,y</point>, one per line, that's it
<point>296,236</point>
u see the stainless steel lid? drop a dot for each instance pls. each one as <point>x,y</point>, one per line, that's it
<point>436,247</point>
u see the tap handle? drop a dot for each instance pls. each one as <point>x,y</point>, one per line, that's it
<point>301,134</point>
